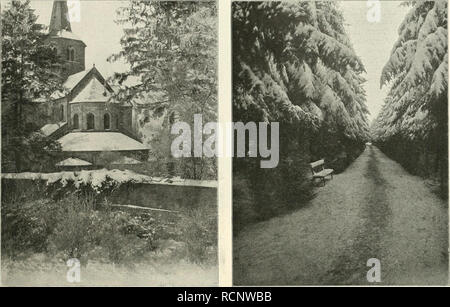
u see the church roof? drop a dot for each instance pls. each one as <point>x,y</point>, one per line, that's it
<point>94,91</point>
<point>73,162</point>
<point>49,129</point>
<point>99,141</point>
<point>74,79</point>
<point>66,34</point>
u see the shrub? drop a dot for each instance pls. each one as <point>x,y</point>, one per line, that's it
<point>90,186</point>
<point>67,228</point>
<point>198,229</point>
<point>124,237</point>
<point>26,226</point>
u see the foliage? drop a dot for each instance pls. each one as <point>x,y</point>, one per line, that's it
<point>294,63</point>
<point>26,227</point>
<point>74,234</point>
<point>28,79</point>
<point>67,228</point>
<point>171,49</point>
<point>198,228</point>
<point>417,74</point>
<point>412,124</point>
<point>91,185</point>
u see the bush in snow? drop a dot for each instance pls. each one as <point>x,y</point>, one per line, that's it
<point>93,185</point>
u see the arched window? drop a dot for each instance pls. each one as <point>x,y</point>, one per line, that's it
<point>54,51</point>
<point>70,54</point>
<point>61,113</point>
<point>106,121</point>
<point>90,122</point>
<point>76,123</point>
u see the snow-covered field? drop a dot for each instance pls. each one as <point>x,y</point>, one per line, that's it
<point>374,209</point>
<point>159,269</point>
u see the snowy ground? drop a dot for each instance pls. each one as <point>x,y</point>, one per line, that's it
<point>39,272</point>
<point>375,209</point>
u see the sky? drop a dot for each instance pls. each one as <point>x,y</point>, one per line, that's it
<point>373,43</point>
<point>96,27</point>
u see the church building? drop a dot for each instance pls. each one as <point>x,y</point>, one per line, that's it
<point>93,130</point>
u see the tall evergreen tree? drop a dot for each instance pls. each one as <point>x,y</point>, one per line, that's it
<point>294,63</point>
<point>171,49</point>
<point>414,116</point>
<point>28,79</point>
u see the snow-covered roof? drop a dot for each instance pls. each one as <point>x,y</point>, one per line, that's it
<point>73,162</point>
<point>66,34</point>
<point>99,141</point>
<point>74,79</point>
<point>94,91</point>
<point>51,128</point>
<point>126,160</point>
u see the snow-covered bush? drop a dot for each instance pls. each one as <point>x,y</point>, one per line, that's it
<point>93,185</point>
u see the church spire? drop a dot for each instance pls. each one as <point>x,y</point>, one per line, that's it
<point>60,17</point>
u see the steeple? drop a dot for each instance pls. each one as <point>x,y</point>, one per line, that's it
<point>60,17</point>
<point>67,45</point>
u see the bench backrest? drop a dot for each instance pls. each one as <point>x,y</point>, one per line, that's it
<point>317,165</point>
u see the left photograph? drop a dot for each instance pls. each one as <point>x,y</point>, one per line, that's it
<point>101,182</point>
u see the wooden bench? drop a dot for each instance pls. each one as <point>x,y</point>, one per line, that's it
<point>319,171</point>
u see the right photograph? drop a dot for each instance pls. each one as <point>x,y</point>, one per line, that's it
<point>340,168</point>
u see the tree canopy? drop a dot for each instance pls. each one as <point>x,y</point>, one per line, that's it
<point>416,73</point>
<point>28,80</point>
<point>294,62</point>
<point>171,48</point>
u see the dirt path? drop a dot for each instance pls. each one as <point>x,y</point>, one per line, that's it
<point>375,209</point>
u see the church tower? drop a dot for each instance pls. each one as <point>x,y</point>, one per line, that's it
<point>66,45</point>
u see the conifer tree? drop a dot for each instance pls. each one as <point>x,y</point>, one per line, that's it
<point>28,80</point>
<point>171,49</point>
<point>413,120</point>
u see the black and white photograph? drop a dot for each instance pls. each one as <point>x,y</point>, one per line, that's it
<point>227,151</point>
<point>92,193</point>
<point>355,93</point>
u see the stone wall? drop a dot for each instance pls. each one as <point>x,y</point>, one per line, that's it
<point>70,67</point>
<point>152,195</point>
<point>102,159</point>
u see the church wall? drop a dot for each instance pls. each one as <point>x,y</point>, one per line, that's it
<point>127,115</point>
<point>55,110</point>
<point>98,109</point>
<point>70,67</point>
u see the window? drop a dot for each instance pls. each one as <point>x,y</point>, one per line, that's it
<point>76,123</point>
<point>70,54</point>
<point>117,122</point>
<point>61,113</point>
<point>90,122</point>
<point>106,121</point>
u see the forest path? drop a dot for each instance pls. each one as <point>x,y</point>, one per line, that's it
<point>375,209</point>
